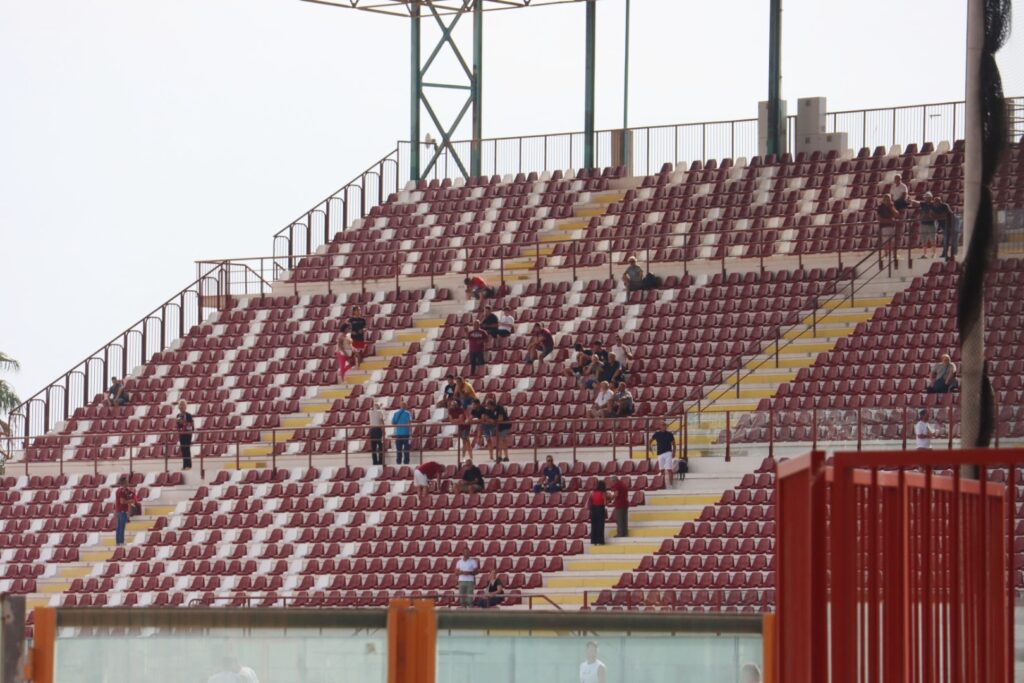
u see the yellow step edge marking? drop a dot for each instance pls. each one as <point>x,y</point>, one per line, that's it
<point>663,515</point>
<point>683,499</point>
<point>277,436</point>
<point>625,548</point>
<point>598,566</point>
<point>581,581</point>
<point>73,572</point>
<point>51,588</point>
<point>292,422</point>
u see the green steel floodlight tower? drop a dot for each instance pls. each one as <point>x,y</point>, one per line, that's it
<point>447,14</point>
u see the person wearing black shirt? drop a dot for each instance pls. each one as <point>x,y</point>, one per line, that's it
<point>945,221</point>
<point>448,393</point>
<point>612,370</point>
<point>472,479</point>
<point>495,592</point>
<point>489,323</point>
<point>551,477</point>
<point>485,426</point>
<point>116,395</point>
<point>357,325</point>
<point>186,427</point>
<point>665,446</point>
<point>499,414</point>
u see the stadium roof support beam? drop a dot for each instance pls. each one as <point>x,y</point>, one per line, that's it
<point>589,82</point>
<point>447,13</point>
<point>775,120</point>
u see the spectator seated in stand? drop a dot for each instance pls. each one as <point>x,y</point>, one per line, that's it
<point>613,371</point>
<point>634,279</point>
<point>495,591</point>
<point>506,323</point>
<point>472,480</point>
<point>597,359</point>
<point>542,342</point>
<point>577,362</point>
<point>942,376</point>
<point>116,394</point>
<point>477,288</point>
<point>489,322</point>
<point>550,477</point>
<point>602,401</point>
<point>622,402</point>
<point>448,393</point>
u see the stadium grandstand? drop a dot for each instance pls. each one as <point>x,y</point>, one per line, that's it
<point>542,385</point>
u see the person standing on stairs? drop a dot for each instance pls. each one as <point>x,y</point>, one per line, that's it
<point>620,506</point>
<point>596,503</point>
<point>377,434</point>
<point>357,325</point>
<point>665,447</point>
<point>124,500</point>
<point>477,340</point>
<point>345,352</point>
<point>186,428</point>
<point>401,419</point>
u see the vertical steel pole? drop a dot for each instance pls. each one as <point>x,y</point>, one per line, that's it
<point>415,91</point>
<point>588,104</point>
<point>775,121</point>
<point>477,87</point>
<point>625,93</point>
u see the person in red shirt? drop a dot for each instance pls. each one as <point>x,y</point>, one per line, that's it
<point>542,342</point>
<point>477,288</point>
<point>596,504</point>
<point>423,473</point>
<point>124,500</point>
<point>477,343</point>
<point>620,506</point>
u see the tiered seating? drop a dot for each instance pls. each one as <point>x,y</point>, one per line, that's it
<point>724,561</point>
<point>683,337</point>
<point>335,537</point>
<point>239,372</point>
<point>884,365</point>
<point>422,230</point>
<point>44,521</point>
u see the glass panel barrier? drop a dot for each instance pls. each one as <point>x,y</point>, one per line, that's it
<point>170,646</point>
<point>639,648</point>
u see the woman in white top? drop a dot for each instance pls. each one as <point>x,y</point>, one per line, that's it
<point>506,323</point>
<point>923,431</point>
<point>345,352</point>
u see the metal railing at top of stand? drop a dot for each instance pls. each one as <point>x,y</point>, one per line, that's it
<point>134,346</point>
<point>886,254</point>
<point>841,425</point>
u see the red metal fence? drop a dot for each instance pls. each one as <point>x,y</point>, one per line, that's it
<point>893,566</point>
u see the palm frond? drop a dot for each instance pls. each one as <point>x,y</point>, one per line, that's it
<point>8,364</point>
<point>8,398</point>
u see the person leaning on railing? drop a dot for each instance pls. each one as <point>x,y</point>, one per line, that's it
<point>888,217</point>
<point>185,425</point>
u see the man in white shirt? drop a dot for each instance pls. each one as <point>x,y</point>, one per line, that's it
<point>593,669</point>
<point>602,402</point>
<point>923,431</point>
<point>377,434</point>
<point>899,193</point>
<point>467,568</point>
<point>506,323</point>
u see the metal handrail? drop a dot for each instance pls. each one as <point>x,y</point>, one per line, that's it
<point>884,252</point>
<point>23,411</point>
<point>250,600</point>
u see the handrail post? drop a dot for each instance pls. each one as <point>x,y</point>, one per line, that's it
<point>903,427</point>
<point>273,450</point>
<point>238,454</point>
<point>574,440</point>
<point>572,246</point>
<point>728,436</point>
<point>771,433</point>
<point>949,420</point>
<point>346,449</point>
<point>739,366</point>
<point>814,428</point>
<point>536,263</point>
<point>501,266</point>
<point>860,431</point>
<point>814,317</point>
<point>778,335</point>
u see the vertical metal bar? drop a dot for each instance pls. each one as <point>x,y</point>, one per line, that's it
<point>775,121</point>
<point>589,78</point>
<point>728,436</point>
<point>625,91</point>
<point>416,92</point>
<point>477,87</point>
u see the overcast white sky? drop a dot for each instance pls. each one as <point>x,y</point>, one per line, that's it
<point>137,136</point>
